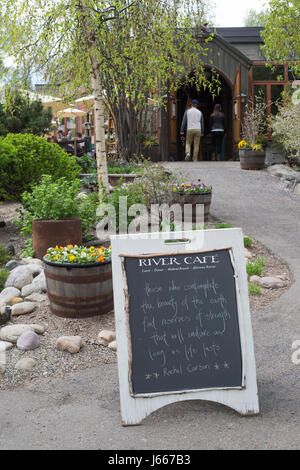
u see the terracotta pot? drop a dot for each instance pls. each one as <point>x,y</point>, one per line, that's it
<point>194,199</point>
<point>250,160</point>
<point>49,233</point>
<point>79,290</point>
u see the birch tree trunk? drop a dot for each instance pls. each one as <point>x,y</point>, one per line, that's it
<point>99,127</point>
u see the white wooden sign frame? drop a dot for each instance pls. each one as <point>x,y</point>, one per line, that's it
<point>135,408</point>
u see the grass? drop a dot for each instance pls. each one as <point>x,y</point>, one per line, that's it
<point>247,242</point>
<point>3,277</point>
<point>4,255</point>
<point>4,258</point>
<point>255,268</point>
<point>223,226</point>
<point>254,289</point>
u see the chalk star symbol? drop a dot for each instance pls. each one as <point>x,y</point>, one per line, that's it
<point>148,376</point>
<point>156,375</point>
<point>226,365</point>
<point>217,367</point>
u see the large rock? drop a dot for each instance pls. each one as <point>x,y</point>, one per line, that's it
<point>32,261</point>
<point>5,345</point>
<point>106,336</point>
<point>15,300</point>
<point>72,344</point>
<point>113,345</point>
<point>255,279</point>
<point>27,363</point>
<point>36,297</point>
<point>270,282</point>
<point>11,333</point>
<point>27,290</point>
<point>285,172</point>
<point>23,308</point>
<point>39,283</point>
<point>297,189</point>
<point>12,264</point>
<point>28,341</point>
<point>7,294</point>
<point>19,277</point>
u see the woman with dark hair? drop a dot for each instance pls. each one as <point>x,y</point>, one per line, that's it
<point>218,128</point>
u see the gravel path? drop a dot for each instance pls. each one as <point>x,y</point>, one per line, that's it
<point>83,410</point>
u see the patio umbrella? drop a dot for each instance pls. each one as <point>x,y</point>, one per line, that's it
<point>86,100</point>
<point>70,112</point>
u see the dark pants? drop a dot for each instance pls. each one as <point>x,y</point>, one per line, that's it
<point>217,140</point>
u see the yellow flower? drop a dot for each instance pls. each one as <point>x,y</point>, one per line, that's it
<point>71,257</point>
<point>256,147</point>
<point>242,144</point>
<point>70,246</point>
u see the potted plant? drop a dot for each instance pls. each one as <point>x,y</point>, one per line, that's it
<point>79,280</point>
<point>191,193</point>
<point>53,213</point>
<point>252,147</point>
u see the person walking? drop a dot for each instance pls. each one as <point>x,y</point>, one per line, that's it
<point>193,124</point>
<point>218,128</point>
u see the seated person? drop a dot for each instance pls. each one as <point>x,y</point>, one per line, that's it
<point>79,144</point>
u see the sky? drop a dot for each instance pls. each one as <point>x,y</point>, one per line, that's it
<point>232,12</point>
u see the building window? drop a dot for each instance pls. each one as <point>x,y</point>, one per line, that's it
<point>292,75</point>
<point>262,73</point>
<point>276,98</point>
<point>268,84</point>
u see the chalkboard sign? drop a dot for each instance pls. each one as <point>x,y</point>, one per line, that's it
<point>183,318</point>
<point>183,321</point>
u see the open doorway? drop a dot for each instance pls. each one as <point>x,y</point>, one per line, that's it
<point>184,96</point>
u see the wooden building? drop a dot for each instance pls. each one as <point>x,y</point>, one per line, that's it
<point>236,55</point>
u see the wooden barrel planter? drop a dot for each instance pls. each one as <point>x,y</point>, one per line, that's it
<point>49,233</point>
<point>194,199</point>
<point>250,160</point>
<point>79,290</point>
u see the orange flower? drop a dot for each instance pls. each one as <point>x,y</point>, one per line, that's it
<point>70,246</point>
<point>101,259</point>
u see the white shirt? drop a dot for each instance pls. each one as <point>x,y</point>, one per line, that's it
<point>194,117</point>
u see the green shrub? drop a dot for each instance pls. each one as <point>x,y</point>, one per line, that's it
<point>3,277</point>
<point>247,242</point>
<point>255,268</point>
<point>86,163</point>
<point>254,289</point>
<point>124,169</point>
<point>28,251</point>
<point>56,200</point>
<point>4,255</point>
<point>25,157</point>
